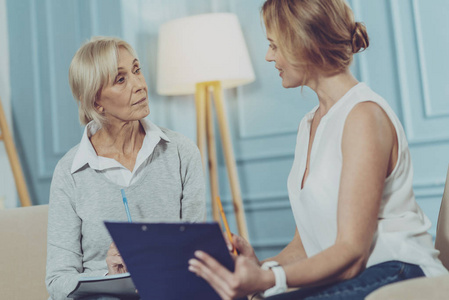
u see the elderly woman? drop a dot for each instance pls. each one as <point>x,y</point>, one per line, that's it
<point>358,226</point>
<point>159,170</point>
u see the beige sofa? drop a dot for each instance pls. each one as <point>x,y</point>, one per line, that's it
<point>425,288</point>
<point>23,251</point>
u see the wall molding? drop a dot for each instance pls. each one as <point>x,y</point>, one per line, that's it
<point>263,157</point>
<point>428,111</point>
<point>421,141</point>
<point>38,128</point>
<point>259,202</point>
<point>402,72</point>
<point>52,86</point>
<point>404,95</point>
<point>280,200</point>
<point>242,126</point>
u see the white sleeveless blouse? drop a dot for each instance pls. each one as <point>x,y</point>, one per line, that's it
<point>402,226</point>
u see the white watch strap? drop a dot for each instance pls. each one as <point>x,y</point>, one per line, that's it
<point>280,278</point>
<point>269,264</point>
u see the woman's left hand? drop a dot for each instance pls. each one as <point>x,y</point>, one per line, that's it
<point>247,278</point>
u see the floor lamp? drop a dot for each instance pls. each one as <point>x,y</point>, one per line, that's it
<point>6,137</point>
<point>202,55</point>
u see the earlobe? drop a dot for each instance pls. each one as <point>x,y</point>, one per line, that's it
<point>98,107</point>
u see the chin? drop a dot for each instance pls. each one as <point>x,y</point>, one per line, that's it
<point>290,86</point>
<point>144,113</point>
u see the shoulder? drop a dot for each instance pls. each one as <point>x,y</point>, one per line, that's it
<point>368,114</point>
<point>65,163</point>
<point>62,176</point>
<point>182,142</point>
<point>368,123</point>
<point>366,106</point>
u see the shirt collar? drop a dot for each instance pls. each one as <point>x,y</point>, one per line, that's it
<point>86,153</point>
<point>151,128</point>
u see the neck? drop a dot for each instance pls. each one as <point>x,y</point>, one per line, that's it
<point>122,138</point>
<point>330,88</point>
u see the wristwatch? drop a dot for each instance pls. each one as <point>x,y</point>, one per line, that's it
<point>279,275</point>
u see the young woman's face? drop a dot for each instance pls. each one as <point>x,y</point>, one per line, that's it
<point>291,76</point>
<point>125,98</point>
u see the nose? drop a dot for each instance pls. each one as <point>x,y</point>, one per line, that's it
<point>269,56</point>
<point>138,82</point>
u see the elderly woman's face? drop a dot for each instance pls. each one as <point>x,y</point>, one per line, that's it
<point>125,98</point>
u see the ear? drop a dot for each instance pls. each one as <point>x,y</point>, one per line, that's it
<point>98,107</point>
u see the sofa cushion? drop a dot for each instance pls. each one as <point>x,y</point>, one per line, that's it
<point>419,288</point>
<point>23,252</point>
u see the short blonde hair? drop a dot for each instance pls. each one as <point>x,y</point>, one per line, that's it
<point>91,69</point>
<point>315,33</point>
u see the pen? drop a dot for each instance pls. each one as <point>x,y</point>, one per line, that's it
<point>225,222</point>
<point>125,202</point>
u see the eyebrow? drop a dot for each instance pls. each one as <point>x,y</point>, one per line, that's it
<point>134,61</point>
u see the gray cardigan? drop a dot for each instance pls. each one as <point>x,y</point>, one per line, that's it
<point>171,189</point>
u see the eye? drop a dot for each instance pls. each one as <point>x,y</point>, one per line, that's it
<point>137,71</point>
<point>272,46</point>
<point>120,79</point>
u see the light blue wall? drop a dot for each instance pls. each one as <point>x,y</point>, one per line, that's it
<point>405,63</point>
<point>43,37</point>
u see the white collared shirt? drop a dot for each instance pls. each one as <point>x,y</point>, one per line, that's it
<point>112,169</point>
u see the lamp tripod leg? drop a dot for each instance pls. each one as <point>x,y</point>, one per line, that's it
<point>205,139</point>
<point>230,161</point>
<point>212,158</point>
<point>11,150</point>
<point>200,105</point>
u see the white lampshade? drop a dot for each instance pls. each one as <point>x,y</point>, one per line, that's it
<point>201,48</point>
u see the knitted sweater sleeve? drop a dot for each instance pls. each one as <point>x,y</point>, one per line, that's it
<point>64,250</point>
<point>193,201</point>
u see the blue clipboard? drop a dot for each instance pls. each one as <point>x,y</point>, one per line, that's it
<point>157,255</point>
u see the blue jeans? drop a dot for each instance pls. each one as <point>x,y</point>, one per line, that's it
<point>358,287</point>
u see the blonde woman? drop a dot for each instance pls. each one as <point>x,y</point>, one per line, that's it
<point>358,226</point>
<point>159,170</point>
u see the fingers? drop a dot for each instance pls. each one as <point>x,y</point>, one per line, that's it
<point>213,272</point>
<point>212,264</point>
<point>113,250</point>
<point>229,285</point>
<point>244,248</point>
<point>228,242</point>
<point>240,243</point>
<point>115,265</point>
<point>231,248</point>
<point>114,261</point>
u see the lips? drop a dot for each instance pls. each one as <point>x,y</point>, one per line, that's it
<point>280,71</point>
<point>140,101</point>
